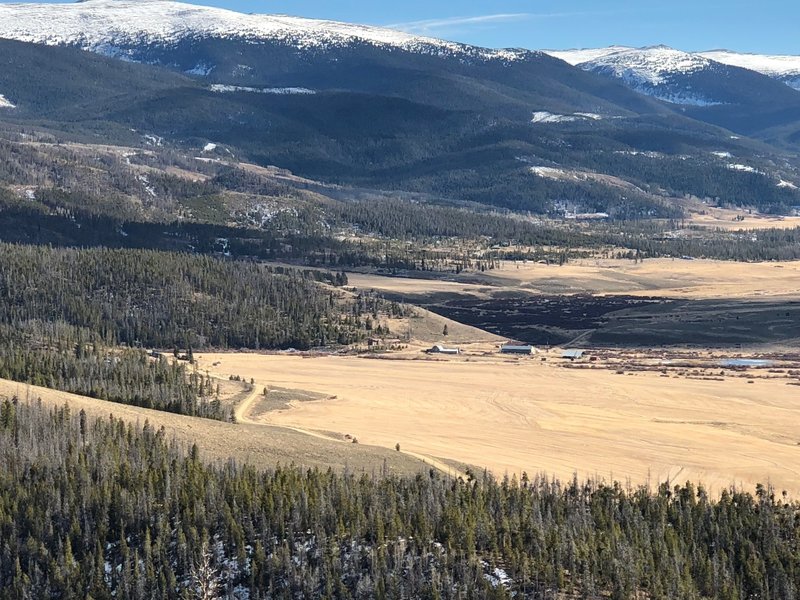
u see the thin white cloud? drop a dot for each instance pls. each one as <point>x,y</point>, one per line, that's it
<point>460,24</point>
<point>433,25</point>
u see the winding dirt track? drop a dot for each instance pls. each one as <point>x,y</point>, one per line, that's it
<point>243,410</point>
<point>258,444</point>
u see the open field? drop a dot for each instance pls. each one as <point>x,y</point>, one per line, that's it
<point>729,219</point>
<point>512,415</point>
<point>259,445</point>
<point>667,278</point>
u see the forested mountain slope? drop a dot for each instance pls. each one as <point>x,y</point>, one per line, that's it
<point>462,124</point>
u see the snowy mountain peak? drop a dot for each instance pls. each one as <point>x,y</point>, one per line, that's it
<point>107,25</point>
<point>653,65</point>
<point>785,68</point>
<point>577,56</point>
<point>659,71</point>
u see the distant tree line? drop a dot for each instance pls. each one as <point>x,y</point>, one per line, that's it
<point>61,357</point>
<point>163,300</point>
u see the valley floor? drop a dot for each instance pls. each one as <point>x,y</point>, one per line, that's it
<point>515,415</point>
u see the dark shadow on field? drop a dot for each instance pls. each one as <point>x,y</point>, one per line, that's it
<point>625,321</point>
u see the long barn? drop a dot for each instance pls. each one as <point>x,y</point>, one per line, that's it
<point>515,349</point>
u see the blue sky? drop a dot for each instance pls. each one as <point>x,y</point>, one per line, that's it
<point>768,26</point>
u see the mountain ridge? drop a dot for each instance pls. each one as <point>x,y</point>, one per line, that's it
<point>384,117</point>
<point>785,68</point>
<point>109,26</point>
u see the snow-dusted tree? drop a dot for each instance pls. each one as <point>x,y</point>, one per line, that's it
<point>205,579</point>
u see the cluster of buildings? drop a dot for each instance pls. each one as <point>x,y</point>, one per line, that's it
<point>524,350</point>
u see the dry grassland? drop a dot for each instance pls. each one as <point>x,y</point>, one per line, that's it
<point>735,220</point>
<point>669,278</point>
<point>511,415</point>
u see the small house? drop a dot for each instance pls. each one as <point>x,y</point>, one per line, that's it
<point>514,349</point>
<point>439,349</point>
<point>573,354</point>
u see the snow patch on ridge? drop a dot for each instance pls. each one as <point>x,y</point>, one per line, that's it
<point>5,103</point>
<point>543,116</point>
<point>549,172</point>
<point>744,168</point>
<point>201,70</point>
<point>283,91</point>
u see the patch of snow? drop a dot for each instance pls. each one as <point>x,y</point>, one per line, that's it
<point>146,185</point>
<point>30,194</point>
<point>645,153</point>
<point>114,26</point>
<point>153,140</point>
<point>787,184</point>
<point>201,70</point>
<point>5,103</point>
<point>548,172</point>
<point>722,154</point>
<point>498,577</point>
<point>283,91</point>
<point>595,216</point>
<point>744,168</point>
<point>209,147</point>
<point>543,116</point>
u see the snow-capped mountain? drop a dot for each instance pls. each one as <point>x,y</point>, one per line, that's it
<point>744,93</point>
<point>659,71</point>
<point>693,80</point>
<point>120,27</point>
<point>785,68</point>
<point>577,56</point>
<point>271,52</point>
